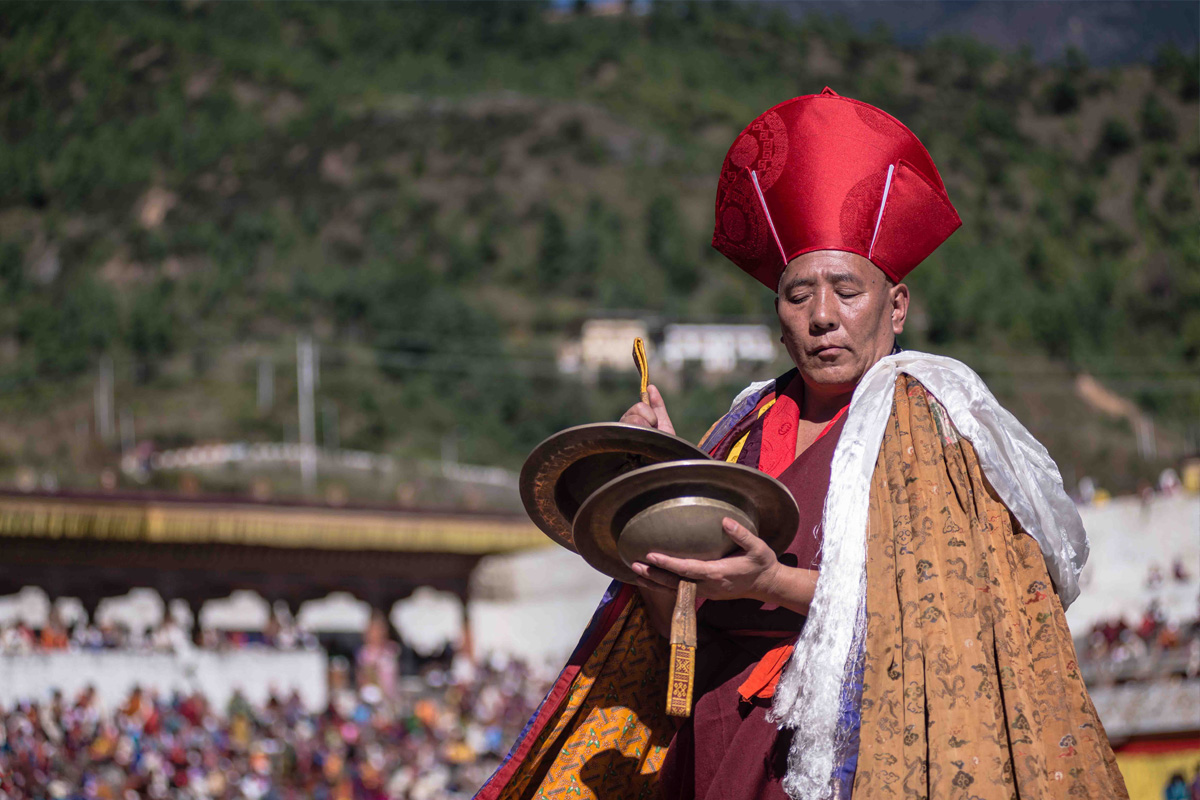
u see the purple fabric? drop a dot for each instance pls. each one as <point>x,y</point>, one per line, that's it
<point>849,723</point>
<point>735,415</point>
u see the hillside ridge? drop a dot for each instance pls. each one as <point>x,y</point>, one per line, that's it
<point>442,194</point>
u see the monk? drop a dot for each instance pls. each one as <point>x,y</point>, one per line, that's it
<point>839,315</point>
<point>911,641</point>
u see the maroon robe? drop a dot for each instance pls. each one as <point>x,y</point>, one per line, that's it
<point>727,750</point>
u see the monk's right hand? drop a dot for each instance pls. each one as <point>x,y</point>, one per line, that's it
<point>653,415</point>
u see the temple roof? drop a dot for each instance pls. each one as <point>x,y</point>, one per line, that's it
<point>174,520</point>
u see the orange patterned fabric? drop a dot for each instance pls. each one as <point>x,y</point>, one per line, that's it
<point>609,737</point>
<point>971,687</point>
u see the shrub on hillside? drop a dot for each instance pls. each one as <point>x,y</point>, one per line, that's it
<point>1115,139</point>
<point>1158,123</point>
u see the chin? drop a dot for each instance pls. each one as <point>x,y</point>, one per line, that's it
<point>831,374</point>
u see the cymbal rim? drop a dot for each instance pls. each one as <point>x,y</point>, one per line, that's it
<point>541,475</point>
<point>772,506</point>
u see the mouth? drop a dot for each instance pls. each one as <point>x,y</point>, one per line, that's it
<point>826,351</point>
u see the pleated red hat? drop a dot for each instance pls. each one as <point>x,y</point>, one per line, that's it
<point>824,172</point>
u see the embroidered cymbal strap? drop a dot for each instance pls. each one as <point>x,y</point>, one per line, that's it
<point>643,366</point>
<point>683,651</point>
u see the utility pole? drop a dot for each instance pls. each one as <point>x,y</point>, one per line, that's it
<point>1143,427</point>
<point>305,374</point>
<point>103,400</point>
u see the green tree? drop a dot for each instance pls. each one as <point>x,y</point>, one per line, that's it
<point>1158,123</point>
<point>554,251</point>
<point>1062,96</point>
<point>1175,70</point>
<point>152,326</point>
<point>1115,139</point>
<point>667,243</point>
<point>64,331</point>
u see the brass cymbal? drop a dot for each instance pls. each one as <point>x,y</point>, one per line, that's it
<point>563,471</point>
<point>676,508</point>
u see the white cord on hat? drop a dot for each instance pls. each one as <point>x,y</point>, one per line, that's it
<point>887,187</point>
<point>763,200</point>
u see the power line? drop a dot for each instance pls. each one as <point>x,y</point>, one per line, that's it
<point>528,355</point>
<point>511,361</point>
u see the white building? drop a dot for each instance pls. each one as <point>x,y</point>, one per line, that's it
<point>719,348</point>
<point>604,344</point>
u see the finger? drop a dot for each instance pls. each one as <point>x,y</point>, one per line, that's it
<point>658,578</point>
<point>690,568</point>
<point>640,414</point>
<point>660,409</point>
<point>740,535</point>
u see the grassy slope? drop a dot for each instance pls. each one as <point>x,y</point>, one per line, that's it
<point>441,193</point>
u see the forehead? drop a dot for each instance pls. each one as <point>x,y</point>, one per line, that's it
<point>830,264</point>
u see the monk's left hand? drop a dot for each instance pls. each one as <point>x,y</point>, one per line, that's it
<point>752,573</point>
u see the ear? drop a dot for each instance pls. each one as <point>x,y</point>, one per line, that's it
<point>899,302</point>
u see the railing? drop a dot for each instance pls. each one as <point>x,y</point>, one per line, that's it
<point>1152,665</point>
<point>292,455</point>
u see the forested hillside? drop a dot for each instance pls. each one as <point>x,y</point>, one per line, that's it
<point>441,194</point>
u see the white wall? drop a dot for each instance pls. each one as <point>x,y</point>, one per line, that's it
<point>255,671</point>
<point>534,604</point>
<point>1128,537</point>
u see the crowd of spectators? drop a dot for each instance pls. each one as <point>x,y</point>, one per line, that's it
<point>436,736</point>
<point>1150,647</point>
<point>384,735</point>
<point>1169,483</point>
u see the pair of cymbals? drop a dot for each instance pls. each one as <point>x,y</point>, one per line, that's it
<point>613,492</point>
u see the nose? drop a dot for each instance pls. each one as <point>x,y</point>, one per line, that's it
<point>824,316</point>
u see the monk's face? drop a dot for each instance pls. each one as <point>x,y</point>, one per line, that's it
<point>839,315</point>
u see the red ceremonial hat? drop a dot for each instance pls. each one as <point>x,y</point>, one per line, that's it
<point>824,172</point>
